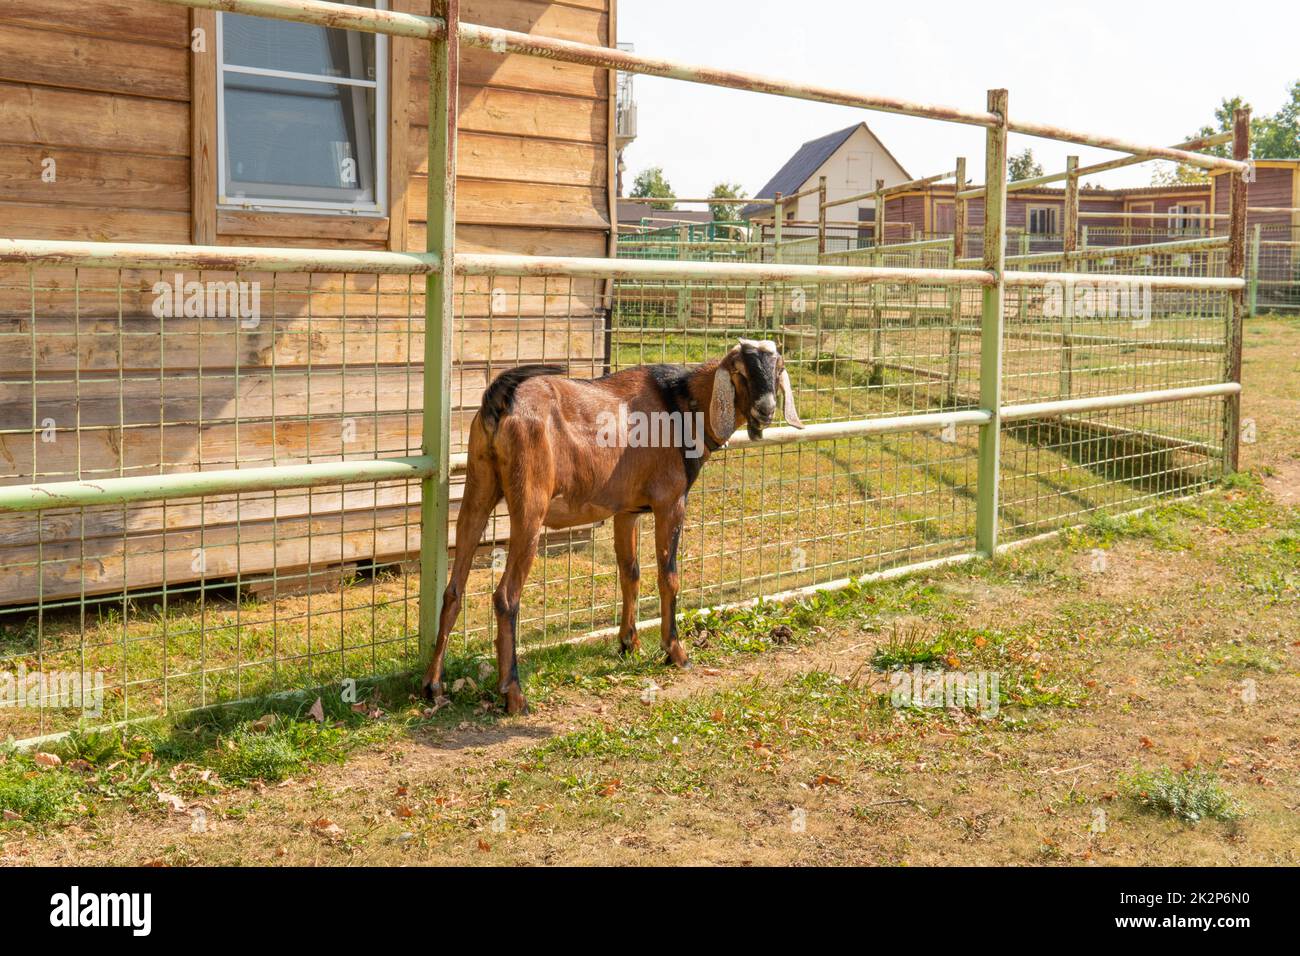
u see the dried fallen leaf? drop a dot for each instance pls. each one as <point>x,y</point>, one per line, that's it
<point>317,712</point>
<point>1147,743</point>
<point>264,723</point>
<point>404,811</point>
<point>611,788</point>
<point>824,780</point>
<point>11,816</point>
<point>327,828</point>
<point>484,845</point>
<point>47,760</point>
<point>171,800</point>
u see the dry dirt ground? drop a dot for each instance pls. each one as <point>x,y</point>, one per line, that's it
<point>1184,652</point>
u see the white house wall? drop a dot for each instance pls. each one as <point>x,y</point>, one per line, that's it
<point>851,169</point>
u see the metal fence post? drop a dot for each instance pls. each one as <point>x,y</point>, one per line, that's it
<point>1236,298</point>
<point>995,227</point>
<point>878,296</point>
<point>439,312</point>
<point>683,290</point>
<point>1069,243</point>
<point>1256,239</point>
<point>778,233</point>
<point>958,252</point>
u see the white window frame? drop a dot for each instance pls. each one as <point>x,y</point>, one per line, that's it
<point>1054,212</point>
<point>1186,219</point>
<point>380,84</point>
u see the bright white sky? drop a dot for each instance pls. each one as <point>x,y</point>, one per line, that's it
<point>1152,72</point>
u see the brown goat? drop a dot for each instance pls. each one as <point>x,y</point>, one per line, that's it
<point>561,453</point>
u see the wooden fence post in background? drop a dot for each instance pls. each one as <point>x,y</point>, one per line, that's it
<point>1236,298</point>
<point>821,217</point>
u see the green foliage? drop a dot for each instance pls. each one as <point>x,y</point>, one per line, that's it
<point>1023,166</point>
<point>725,211</point>
<point>910,645</point>
<point>1176,174</point>
<point>274,754</point>
<point>1275,136</point>
<point>35,794</point>
<point>1189,795</point>
<point>649,184</point>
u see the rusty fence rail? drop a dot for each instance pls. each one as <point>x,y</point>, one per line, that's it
<point>951,410</point>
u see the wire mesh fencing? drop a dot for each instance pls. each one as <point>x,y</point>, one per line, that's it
<point>173,604</point>
<point>180,603</point>
<point>1274,268</point>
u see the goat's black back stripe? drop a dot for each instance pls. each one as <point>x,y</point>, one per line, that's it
<point>499,398</point>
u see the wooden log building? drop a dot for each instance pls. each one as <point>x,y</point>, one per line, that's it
<point>137,121</point>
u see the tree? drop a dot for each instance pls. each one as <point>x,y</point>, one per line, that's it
<point>1022,166</point>
<point>649,184</point>
<point>725,210</point>
<point>1271,137</point>
<point>1178,174</point>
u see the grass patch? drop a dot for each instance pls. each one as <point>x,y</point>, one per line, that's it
<point>36,794</point>
<point>1188,795</point>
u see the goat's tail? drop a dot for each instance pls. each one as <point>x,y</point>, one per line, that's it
<point>500,395</point>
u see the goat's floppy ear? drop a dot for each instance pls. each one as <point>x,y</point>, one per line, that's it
<point>722,404</point>
<point>787,400</point>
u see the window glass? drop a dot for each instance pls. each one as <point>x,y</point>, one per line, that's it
<point>301,116</point>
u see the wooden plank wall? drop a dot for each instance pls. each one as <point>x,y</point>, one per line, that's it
<point>113,94</point>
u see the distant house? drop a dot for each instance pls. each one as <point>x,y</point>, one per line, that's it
<point>1118,216</point>
<point>851,159</point>
<point>637,212</point>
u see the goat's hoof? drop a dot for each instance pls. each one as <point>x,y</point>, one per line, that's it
<point>676,654</point>
<point>627,650</point>
<point>515,702</point>
<point>432,689</point>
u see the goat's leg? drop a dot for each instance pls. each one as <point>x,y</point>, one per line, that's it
<point>527,510</point>
<point>668,533</point>
<point>629,579</point>
<point>482,493</point>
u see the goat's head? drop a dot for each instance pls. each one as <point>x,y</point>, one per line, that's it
<point>745,384</point>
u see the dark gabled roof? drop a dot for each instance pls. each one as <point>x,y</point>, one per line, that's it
<point>806,161</point>
<point>633,211</point>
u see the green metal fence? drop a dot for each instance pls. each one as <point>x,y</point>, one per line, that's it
<point>950,410</point>
<point>1274,268</point>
